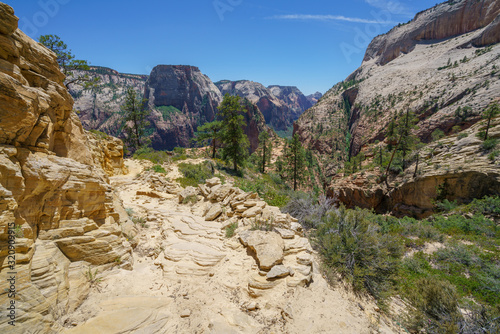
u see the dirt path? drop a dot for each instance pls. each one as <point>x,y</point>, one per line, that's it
<point>189,278</point>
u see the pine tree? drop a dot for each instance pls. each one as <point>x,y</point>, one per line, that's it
<point>234,140</point>
<point>134,116</point>
<point>264,150</point>
<point>209,132</point>
<point>295,161</point>
<point>68,63</point>
<point>492,111</point>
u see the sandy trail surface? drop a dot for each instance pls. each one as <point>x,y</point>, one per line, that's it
<point>189,278</point>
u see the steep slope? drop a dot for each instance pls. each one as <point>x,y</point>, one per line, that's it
<point>277,114</point>
<point>181,98</point>
<point>98,107</point>
<point>293,98</point>
<point>59,215</point>
<point>435,66</point>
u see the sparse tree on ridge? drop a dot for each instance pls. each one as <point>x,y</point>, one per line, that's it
<point>492,111</point>
<point>294,161</point>
<point>67,62</point>
<point>233,138</point>
<point>264,151</point>
<point>209,133</point>
<point>134,116</point>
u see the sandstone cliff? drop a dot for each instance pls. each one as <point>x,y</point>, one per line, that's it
<point>293,98</point>
<point>182,98</point>
<point>98,107</point>
<point>434,78</point>
<point>276,112</point>
<point>55,202</point>
<point>314,98</point>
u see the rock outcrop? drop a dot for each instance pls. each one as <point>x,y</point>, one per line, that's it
<point>98,108</point>
<point>107,152</point>
<point>432,66</point>
<point>276,113</point>
<point>293,98</point>
<point>456,168</point>
<point>446,20</point>
<point>314,98</point>
<point>181,98</point>
<point>57,212</point>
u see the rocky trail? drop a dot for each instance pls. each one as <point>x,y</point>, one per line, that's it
<point>188,277</point>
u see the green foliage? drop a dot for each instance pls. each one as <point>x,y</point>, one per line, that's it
<point>270,188</point>
<point>159,169</point>
<point>231,229</point>
<point>437,134</point>
<point>493,155</point>
<point>209,133</point>
<point>264,151</point>
<point>286,134</point>
<point>463,135</point>
<point>294,161</point>
<point>235,141</point>
<point>93,277</point>
<point>147,153</point>
<point>168,111</point>
<point>191,199</point>
<point>350,243</point>
<point>99,134</point>
<point>68,63</point>
<point>134,119</point>
<point>18,231</point>
<point>489,144</point>
<point>446,205</point>
<point>195,174</point>
<point>491,112</point>
<point>487,205</point>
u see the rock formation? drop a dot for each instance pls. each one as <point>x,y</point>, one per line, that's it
<point>99,107</point>
<point>59,215</point>
<point>276,113</point>
<point>314,98</point>
<point>293,98</point>
<point>433,66</point>
<point>182,98</point>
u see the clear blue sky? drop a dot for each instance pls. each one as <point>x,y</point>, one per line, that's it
<point>308,44</point>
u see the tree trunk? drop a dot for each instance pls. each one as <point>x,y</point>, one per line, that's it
<point>264,157</point>
<point>487,128</point>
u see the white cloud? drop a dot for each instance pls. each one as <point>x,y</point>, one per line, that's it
<point>326,18</point>
<point>392,6</point>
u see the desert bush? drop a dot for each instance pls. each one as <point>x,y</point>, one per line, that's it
<point>308,209</point>
<point>159,169</point>
<point>195,174</point>
<point>231,229</point>
<point>354,247</point>
<point>487,205</point>
<point>463,135</point>
<point>147,153</point>
<point>436,307</point>
<point>489,144</point>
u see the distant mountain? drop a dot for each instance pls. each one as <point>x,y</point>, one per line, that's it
<point>293,98</point>
<point>314,98</point>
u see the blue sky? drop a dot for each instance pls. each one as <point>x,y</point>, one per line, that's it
<point>308,44</point>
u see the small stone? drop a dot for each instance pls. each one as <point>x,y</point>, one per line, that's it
<point>285,233</point>
<point>304,259</point>
<point>252,306</point>
<point>214,212</point>
<point>278,271</point>
<point>250,204</point>
<point>185,313</point>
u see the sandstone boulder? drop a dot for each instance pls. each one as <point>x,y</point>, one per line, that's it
<point>268,247</point>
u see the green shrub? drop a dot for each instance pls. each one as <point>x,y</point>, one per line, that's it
<point>231,229</point>
<point>147,153</point>
<point>99,134</point>
<point>354,247</point>
<point>489,144</point>
<point>437,134</point>
<point>487,205</point>
<point>446,205</point>
<point>195,174</point>
<point>463,135</point>
<point>460,225</point>
<point>159,169</point>
<point>191,199</point>
<point>493,155</point>
<point>436,307</point>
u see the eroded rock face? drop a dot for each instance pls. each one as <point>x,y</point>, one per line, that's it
<point>107,152</point>
<point>441,22</point>
<point>293,98</point>
<point>446,78</point>
<point>275,112</point>
<point>182,99</point>
<point>55,203</point>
